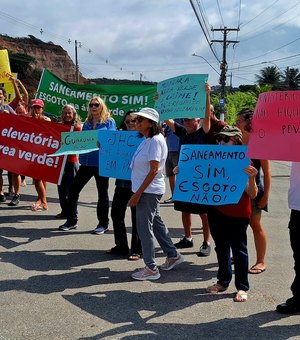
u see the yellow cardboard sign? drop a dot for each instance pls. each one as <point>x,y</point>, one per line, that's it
<point>4,66</point>
<point>5,73</point>
<point>9,88</point>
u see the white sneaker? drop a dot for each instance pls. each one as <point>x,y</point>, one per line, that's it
<point>171,262</point>
<point>100,230</point>
<point>146,274</point>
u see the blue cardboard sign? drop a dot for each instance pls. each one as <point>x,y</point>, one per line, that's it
<point>211,174</point>
<point>182,97</point>
<point>116,151</point>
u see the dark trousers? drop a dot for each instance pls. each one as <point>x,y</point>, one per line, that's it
<point>230,233</point>
<point>83,175</point>
<point>118,210</point>
<point>294,226</point>
<point>65,185</point>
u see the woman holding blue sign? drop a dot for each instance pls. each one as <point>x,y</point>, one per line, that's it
<point>228,225</point>
<point>121,197</point>
<point>148,185</point>
<point>98,118</point>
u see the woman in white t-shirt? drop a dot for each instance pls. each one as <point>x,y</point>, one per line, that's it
<point>148,185</point>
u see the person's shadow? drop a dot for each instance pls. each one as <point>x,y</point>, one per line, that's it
<point>141,314</point>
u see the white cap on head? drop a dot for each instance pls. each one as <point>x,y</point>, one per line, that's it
<point>149,113</point>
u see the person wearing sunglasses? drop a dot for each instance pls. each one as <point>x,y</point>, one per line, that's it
<point>228,225</point>
<point>260,202</point>
<point>120,200</point>
<point>98,118</point>
<point>193,131</point>
<point>148,185</point>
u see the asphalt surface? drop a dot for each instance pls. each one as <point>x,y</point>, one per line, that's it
<point>62,285</point>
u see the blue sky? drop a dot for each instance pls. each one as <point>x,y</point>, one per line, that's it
<point>155,39</point>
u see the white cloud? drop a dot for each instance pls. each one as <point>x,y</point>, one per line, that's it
<point>158,37</point>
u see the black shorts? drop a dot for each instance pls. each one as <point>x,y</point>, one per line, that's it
<point>171,162</point>
<point>192,208</point>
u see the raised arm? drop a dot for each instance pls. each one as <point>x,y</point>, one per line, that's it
<point>206,120</point>
<point>171,124</point>
<point>25,96</point>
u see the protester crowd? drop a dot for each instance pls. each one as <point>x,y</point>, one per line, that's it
<point>227,224</point>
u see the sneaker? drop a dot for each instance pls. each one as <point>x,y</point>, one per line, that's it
<point>2,198</point>
<point>184,243</point>
<point>67,226</point>
<point>146,274</point>
<point>168,201</point>
<point>204,250</point>
<point>100,230</point>
<point>15,201</point>
<point>171,262</point>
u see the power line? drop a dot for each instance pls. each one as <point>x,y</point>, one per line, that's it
<point>220,13</point>
<point>248,22</point>
<point>61,38</point>
<point>203,30</point>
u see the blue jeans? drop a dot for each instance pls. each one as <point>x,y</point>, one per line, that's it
<point>230,233</point>
<point>150,225</point>
<point>83,175</point>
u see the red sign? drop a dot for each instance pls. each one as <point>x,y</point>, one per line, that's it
<point>25,143</point>
<point>276,127</point>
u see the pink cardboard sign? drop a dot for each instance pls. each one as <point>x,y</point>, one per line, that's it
<point>276,127</point>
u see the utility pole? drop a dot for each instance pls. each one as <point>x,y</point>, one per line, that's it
<point>223,65</point>
<point>76,64</point>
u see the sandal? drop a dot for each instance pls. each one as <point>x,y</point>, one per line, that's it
<point>134,257</point>
<point>240,296</point>
<point>256,270</point>
<point>216,288</point>
<point>36,207</point>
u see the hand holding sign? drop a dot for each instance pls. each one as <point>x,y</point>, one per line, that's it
<point>211,174</point>
<point>182,96</point>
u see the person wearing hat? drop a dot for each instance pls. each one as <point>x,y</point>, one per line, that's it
<point>260,202</point>
<point>36,111</point>
<point>228,225</point>
<point>148,186</point>
<point>193,131</point>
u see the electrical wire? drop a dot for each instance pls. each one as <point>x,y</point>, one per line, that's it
<point>259,14</point>
<point>203,29</point>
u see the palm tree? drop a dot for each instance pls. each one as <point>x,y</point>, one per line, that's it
<point>292,78</point>
<point>269,75</point>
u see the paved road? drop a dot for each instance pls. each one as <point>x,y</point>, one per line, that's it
<point>62,285</point>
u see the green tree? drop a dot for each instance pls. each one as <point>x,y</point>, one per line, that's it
<point>292,78</point>
<point>270,75</point>
<point>235,102</point>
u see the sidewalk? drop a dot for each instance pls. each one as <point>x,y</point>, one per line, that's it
<point>62,285</point>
